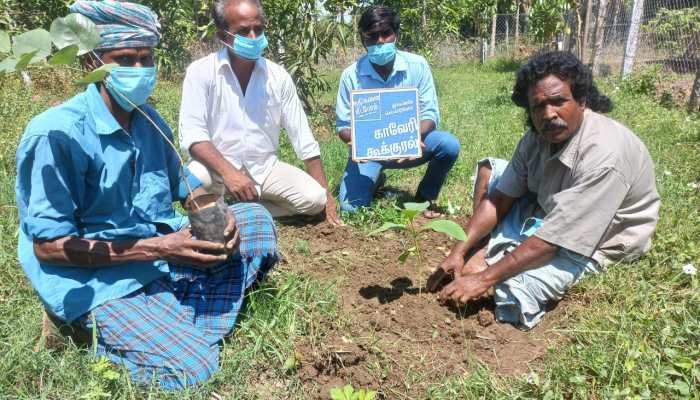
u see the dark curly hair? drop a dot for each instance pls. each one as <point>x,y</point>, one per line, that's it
<point>566,67</point>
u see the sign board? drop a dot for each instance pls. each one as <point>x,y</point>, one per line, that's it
<point>385,124</point>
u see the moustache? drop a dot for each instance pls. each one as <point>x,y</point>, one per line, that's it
<point>556,124</point>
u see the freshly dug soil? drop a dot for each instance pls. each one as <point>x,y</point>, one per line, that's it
<point>390,335</point>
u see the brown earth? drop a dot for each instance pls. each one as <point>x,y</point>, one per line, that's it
<point>391,336</point>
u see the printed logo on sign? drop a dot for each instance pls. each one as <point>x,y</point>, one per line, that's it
<point>368,107</point>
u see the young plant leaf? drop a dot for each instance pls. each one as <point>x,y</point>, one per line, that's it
<point>386,227</point>
<point>24,60</point>
<point>96,75</point>
<point>404,256</point>
<point>420,207</point>
<point>64,56</point>
<point>449,228</point>
<point>5,44</point>
<point>8,64</point>
<point>75,29</point>
<point>410,210</point>
<point>37,41</point>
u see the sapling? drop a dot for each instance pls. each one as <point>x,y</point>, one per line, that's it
<point>410,212</point>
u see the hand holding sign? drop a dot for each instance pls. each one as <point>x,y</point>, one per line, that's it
<point>385,125</point>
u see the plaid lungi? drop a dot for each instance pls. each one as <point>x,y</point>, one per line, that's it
<point>168,332</point>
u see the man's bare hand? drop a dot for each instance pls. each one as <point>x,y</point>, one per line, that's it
<point>240,186</point>
<point>231,234</point>
<point>331,214</point>
<point>465,288</point>
<point>444,272</point>
<point>181,249</point>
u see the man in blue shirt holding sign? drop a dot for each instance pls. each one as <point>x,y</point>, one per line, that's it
<point>385,67</point>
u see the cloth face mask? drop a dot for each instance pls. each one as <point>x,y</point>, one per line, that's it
<point>382,54</point>
<point>250,49</point>
<point>131,86</point>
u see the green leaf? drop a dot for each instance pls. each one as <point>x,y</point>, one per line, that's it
<point>420,207</point>
<point>410,210</point>
<point>5,44</point>
<point>684,362</point>
<point>24,60</point>
<point>37,40</point>
<point>337,394</point>
<point>75,29</point>
<point>404,256</point>
<point>8,64</point>
<point>292,363</point>
<point>386,227</point>
<point>96,75</point>
<point>449,228</point>
<point>65,56</point>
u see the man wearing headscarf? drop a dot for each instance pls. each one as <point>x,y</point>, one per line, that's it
<point>99,238</point>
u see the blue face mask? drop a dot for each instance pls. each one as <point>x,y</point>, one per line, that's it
<point>382,54</point>
<point>134,83</point>
<point>250,49</point>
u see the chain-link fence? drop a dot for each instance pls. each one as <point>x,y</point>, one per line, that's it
<point>667,33</point>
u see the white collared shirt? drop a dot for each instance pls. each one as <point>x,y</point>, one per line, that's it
<point>244,128</point>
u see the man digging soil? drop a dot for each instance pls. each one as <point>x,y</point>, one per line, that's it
<point>578,194</point>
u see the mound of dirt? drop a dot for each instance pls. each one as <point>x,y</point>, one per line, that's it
<point>391,335</point>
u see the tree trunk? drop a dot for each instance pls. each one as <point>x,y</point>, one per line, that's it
<point>424,18</point>
<point>586,29</point>
<point>492,49</point>
<point>631,45</point>
<point>694,100</point>
<point>517,24</point>
<point>599,36</point>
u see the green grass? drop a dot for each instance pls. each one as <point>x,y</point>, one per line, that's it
<point>634,332</point>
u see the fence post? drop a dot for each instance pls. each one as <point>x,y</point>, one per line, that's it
<point>484,50</point>
<point>492,50</point>
<point>517,24</point>
<point>631,46</point>
<point>586,29</point>
<point>599,36</point>
<point>694,99</point>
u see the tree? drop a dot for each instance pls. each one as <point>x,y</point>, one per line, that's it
<point>599,35</point>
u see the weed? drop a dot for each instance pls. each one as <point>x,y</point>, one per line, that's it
<point>349,393</point>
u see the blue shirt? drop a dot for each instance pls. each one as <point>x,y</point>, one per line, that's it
<point>80,174</point>
<point>410,71</point>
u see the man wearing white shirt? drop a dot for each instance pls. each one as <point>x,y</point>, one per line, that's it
<point>234,103</point>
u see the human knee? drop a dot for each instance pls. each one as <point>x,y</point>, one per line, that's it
<point>314,201</point>
<point>449,146</point>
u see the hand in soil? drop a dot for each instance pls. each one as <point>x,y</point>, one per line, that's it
<point>231,234</point>
<point>240,187</point>
<point>464,288</point>
<point>332,215</point>
<point>179,248</point>
<point>437,279</point>
<point>445,271</point>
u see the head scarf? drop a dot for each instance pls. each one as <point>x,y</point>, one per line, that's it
<point>120,24</point>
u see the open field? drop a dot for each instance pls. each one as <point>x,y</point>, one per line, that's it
<point>341,309</point>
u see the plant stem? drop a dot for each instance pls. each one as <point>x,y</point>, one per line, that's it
<point>419,255</point>
<point>167,140</point>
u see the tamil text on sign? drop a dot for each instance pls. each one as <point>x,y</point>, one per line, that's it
<point>385,124</point>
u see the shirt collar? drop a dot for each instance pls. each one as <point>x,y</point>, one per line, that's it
<point>365,68</point>
<point>222,60</point>
<point>568,154</point>
<point>104,121</point>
